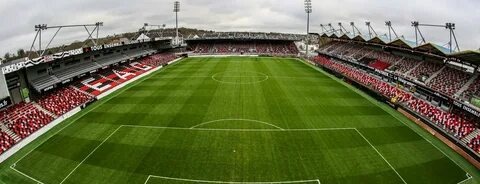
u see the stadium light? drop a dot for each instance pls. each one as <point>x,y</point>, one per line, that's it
<point>176,9</point>
<point>354,28</point>
<point>160,27</point>
<point>390,30</point>
<point>449,26</point>
<point>370,29</point>
<point>39,28</point>
<point>308,10</point>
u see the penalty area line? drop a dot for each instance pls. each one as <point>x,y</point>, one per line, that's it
<point>378,152</point>
<point>88,156</point>
<point>13,168</point>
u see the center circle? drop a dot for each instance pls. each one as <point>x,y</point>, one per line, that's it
<point>240,77</point>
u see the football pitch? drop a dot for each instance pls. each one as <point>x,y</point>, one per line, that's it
<point>237,120</point>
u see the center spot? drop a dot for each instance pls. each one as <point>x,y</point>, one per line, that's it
<point>240,77</point>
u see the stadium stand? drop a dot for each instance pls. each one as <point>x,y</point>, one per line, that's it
<point>473,89</point>
<point>449,81</point>
<point>24,119</point>
<point>94,84</point>
<point>63,100</point>
<point>245,47</point>
<point>452,123</point>
<point>384,57</point>
<point>106,79</point>
<point>404,66</point>
<point>425,70</point>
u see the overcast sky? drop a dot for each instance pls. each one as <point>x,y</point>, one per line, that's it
<point>18,17</point>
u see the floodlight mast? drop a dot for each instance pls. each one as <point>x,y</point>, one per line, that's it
<point>451,28</point>
<point>160,27</point>
<point>354,28</point>
<point>42,27</point>
<point>332,28</point>
<point>342,29</point>
<point>327,31</point>
<point>308,10</point>
<point>323,28</point>
<point>176,9</point>
<point>371,31</point>
<point>390,30</point>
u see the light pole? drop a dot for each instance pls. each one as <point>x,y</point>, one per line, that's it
<point>176,9</point>
<point>308,10</point>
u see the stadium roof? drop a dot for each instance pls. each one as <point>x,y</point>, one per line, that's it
<point>401,42</point>
<point>362,38</point>
<point>469,56</point>
<point>433,48</point>
<point>379,40</point>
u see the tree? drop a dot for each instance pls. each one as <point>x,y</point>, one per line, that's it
<point>7,56</point>
<point>21,53</point>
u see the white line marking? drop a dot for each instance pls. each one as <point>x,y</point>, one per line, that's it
<point>380,155</point>
<point>248,120</point>
<point>88,156</point>
<point>148,178</point>
<point>465,180</point>
<point>232,182</point>
<point>38,181</point>
<point>383,108</point>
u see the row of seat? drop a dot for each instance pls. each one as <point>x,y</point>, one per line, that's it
<point>448,81</point>
<point>475,144</point>
<point>404,66</point>
<point>451,122</point>
<point>24,119</point>
<point>473,90</point>
<point>385,89</point>
<point>244,47</point>
<point>106,79</point>
<point>63,100</point>
<point>85,67</point>
<point>6,142</point>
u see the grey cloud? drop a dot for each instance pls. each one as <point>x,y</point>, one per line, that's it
<point>18,17</point>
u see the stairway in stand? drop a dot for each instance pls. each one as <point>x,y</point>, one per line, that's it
<point>9,132</point>
<point>44,110</point>
<point>470,136</point>
<point>84,92</point>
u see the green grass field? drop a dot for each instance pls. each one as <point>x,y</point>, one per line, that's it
<point>220,120</point>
